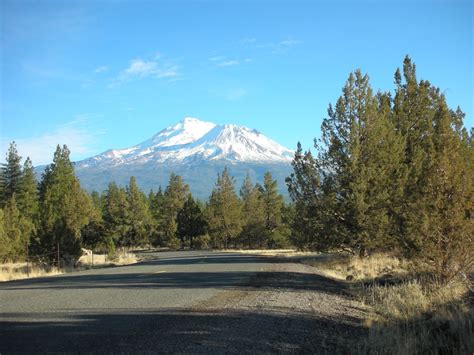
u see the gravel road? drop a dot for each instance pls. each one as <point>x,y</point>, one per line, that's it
<point>209,302</point>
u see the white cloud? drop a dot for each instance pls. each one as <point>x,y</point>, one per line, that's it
<point>76,134</point>
<point>228,63</point>
<point>217,58</point>
<point>281,46</point>
<point>101,69</point>
<point>140,68</point>
<point>223,61</point>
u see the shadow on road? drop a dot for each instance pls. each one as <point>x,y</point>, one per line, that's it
<point>242,280</point>
<point>178,331</point>
<point>196,258</point>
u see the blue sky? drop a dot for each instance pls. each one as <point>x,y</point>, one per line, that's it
<point>109,74</point>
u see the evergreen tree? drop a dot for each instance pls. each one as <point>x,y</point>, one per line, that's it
<point>314,207</point>
<point>252,214</point>
<point>28,192</point>
<point>96,200</point>
<point>115,215</point>
<point>446,242</point>
<point>360,162</point>
<point>191,222</point>
<point>175,196</point>
<point>65,207</point>
<point>4,243</point>
<point>156,203</point>
<point>139,218</point>
<point>11,173</point>
<point>414,109</point>
<point>272,204</point>
<point>94,235</point>
<point>224,216</point>
<point>16,232</point>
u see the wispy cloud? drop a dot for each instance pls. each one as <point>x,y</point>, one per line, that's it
<point>218,58</point>
<point>223,61</point>
<point>77,134</point>
<point>228,63</point>
<point>156,68</point>
<point>101,69</point>
<point>281,46</point>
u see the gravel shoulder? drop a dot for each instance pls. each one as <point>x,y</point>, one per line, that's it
<point>288,307</point>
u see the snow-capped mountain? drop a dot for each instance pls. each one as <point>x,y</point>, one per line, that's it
<point>194,149</point>
<point>192,140</point>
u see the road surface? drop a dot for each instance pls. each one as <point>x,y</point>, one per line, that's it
<point>196,301</point>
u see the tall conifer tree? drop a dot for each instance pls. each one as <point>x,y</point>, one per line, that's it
<point>224,211</point>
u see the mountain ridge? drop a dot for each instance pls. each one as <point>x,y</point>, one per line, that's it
<point>197,150</point>
<point>192,137</point>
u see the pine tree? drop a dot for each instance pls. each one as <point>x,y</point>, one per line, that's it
<point>4,243</point>
<point>272,203</point>
<point>156,203</point>
<point>65,207</point>
<point>312,225</point>
<point>11,173</point>
<point>16,232</point>
<point>139,218</point>
<point>115,215</point>
<point>94,235</point>
<point>447,243</point>
<point>414,109</point>
<point>252,215</point>
<point>28,192</point>
<point>175,196</point>
<point>224,216</point>
<point>191,222</point>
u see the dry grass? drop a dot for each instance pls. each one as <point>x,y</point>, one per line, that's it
<point>288,253</point>
<point>101,260</point>
<point>17,271</point>
<point>419,317</point>
<point>341,266</point>
<point>412,313</point>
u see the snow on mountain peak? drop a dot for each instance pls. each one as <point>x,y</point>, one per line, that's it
<point>192,139</point>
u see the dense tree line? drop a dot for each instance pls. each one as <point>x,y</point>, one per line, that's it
<point>56,213</point>
<point>391,173</point>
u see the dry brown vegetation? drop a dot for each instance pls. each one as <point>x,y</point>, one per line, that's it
<point>412,311</point>
<point>18,271</point>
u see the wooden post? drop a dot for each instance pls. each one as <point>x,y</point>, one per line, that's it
<point>59,263</point>
<point>92,257</point>
<point>27,266</point>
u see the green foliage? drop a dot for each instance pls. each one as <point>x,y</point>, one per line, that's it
<point>28,192</point>
<point>15,231</point>
<point>224,212</point>
<point>315,224</point>
<point>191,222</point>
<point>115,214</point>
<point>139,217</point>
<point>390,175</point>
<point>253,220</point>
<point>64,207</point>
<point>11,174</point>
<point>175,196</point>
<point>272,204</point>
